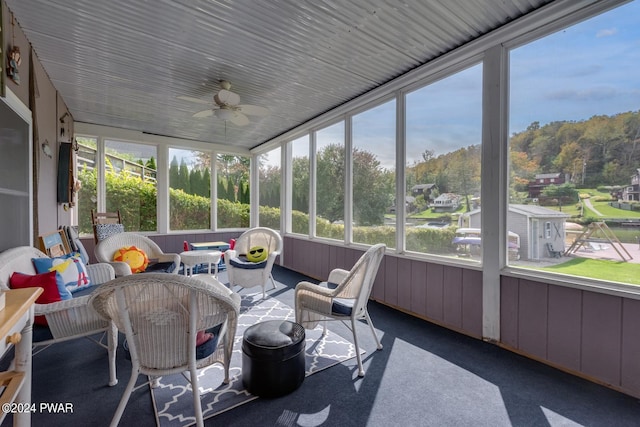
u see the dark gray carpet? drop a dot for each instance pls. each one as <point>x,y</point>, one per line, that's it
<point>425,376</point>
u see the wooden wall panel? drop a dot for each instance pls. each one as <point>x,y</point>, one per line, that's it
<point>435,292</point>
<point>601,336</point>
<point>391,278</point>
<point>630,361</point>
<point>509,297</point>
<point>452,296</point>
<point>472,302</point>
<point>404,282</point>
<point>418,288</point>
<point>532,318</point>
<point>565,317</point>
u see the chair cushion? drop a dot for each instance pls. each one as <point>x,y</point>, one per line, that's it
<point>340,306</point>
<point>71,269</point>
<point>241,261</point>
<point>203,350</point>
<point>135,257</point>
<point>105,230</point>
<point>46,281</point>
<point>160,267</point>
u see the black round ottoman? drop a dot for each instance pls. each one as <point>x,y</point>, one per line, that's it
<point>273,359</point>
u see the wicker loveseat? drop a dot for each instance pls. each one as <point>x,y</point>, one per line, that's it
<point>68,319</point>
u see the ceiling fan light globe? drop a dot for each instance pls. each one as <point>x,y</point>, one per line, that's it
<point>224,114</point>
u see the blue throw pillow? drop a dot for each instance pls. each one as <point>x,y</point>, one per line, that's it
<point>70,268</point>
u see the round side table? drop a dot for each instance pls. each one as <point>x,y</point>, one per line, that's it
<point>192,258</point>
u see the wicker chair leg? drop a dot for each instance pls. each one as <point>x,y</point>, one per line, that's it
<point>112,343</point>
<point>197,406</point>
<point>357,348</point>
<point>125,397</point>
<point>373,331</point>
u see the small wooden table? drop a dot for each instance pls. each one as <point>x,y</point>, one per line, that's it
<point>16,323</point>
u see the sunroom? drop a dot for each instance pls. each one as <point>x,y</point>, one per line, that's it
<point>347,107</point>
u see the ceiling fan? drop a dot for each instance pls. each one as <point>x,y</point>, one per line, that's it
<point>227,107</point>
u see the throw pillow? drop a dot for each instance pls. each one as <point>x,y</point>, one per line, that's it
<point>257,254</point>
<point>135,257</point>
<point>103,231</point>
<point>46,281</point>
<point>69,267</point>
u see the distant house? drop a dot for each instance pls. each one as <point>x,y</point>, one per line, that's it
<point>632,192</point>
<point>409,205</point>
<point>538,227</point>
<point>542,181</point>
<point>423,189</point>
<point>446,202</point>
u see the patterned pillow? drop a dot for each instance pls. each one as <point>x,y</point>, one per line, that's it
<point>105,230</point>
<point>70,268</point>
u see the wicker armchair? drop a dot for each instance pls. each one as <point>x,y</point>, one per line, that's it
<point>245,274</point>
<point>160,315</point>
<point>343,297</point>
<point>105,249</point>
<point>69,319</point>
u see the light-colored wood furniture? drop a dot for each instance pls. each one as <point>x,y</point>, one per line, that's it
<point>16,323</point>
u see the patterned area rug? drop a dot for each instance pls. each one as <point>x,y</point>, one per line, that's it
<point>173,400</point>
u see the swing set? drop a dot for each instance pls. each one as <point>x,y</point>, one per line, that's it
<point>596,237</point>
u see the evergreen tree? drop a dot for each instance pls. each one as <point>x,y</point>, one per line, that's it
<point>195,181</point>
<point>151,163</point>
<point>183,177</point>
<point>206,183</point>
<point>173,173</point>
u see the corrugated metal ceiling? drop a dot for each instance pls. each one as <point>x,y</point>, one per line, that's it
<point>125,63</point>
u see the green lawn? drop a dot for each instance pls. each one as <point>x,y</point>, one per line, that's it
<point>613,271</point>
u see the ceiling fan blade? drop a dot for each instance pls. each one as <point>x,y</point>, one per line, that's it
<point>226,97</point>
<point>254,110</point>
<point>204,113</point>
<point>239,119</point>
<point>191,99</point>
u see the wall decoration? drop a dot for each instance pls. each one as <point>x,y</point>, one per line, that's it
<point>46,149</point>
<point>14,58</point>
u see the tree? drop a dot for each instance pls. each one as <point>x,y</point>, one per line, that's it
<point>330,182</point>
<point>566,193</point>
<point>183,178</point>
<point>174,171</point>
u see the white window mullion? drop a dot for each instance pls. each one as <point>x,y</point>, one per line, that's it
<point>401,149</point>
<point>348,180</point>
<point>312,184</point>
<point>494,185</point>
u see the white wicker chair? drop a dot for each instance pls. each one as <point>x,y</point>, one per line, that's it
<point>160,315</point>
<point>105,249</point>
<point>69,319</point>
<point>250,277</point>
<point>343,297</point>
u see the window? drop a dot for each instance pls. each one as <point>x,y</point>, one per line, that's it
<point>574,112</point>
<point>130,181</point>
<point>547,230</point>
<point>442,168</point>
<point>330,179</point>
<point>374,178</point>
<point>87,175</point>
<point>269,185</point>
<point>189,190</point>
<point>300,185</point>
<point>233,191</point>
